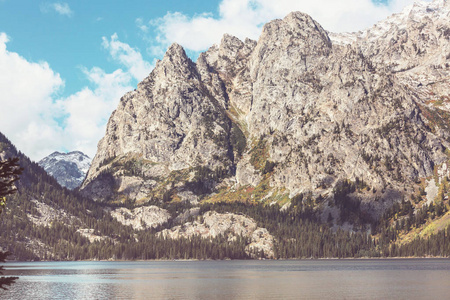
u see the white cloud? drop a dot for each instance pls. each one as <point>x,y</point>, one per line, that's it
<point>140,24</point>
<point>88,110</point>
<point>39,122</point>
<point>61,8</point>
<point>127,56</point>
<point>245,18</point>
<point>27,106</point>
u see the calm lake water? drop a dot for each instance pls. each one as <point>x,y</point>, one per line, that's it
<point>306,279</point>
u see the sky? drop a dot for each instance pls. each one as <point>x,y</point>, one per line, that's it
<point>64,65</point>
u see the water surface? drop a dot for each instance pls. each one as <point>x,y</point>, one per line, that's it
<point>306,279</point>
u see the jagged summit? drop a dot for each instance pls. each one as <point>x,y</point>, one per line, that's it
<point>420,12</point>
<point>296,28</point>
<point>304,23</point>
<point>175,50</point>
<point>294,112</point>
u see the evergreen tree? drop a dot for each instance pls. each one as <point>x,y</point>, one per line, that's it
<point>9,173</point>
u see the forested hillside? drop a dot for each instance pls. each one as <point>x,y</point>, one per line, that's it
<point>298,232</point>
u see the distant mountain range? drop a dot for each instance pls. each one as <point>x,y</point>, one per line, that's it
<point>69,169</point>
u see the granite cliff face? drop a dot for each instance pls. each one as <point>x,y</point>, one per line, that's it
<point>142,217</point>
<point>299,111</point>
<point>212,224</point>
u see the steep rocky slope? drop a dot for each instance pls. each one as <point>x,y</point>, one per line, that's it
<point>172,122</point>
<point>296,112</point>
<point>45,221</point>
<point>69,169</point>
<point>413,45</point>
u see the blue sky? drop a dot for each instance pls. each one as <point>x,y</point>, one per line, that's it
<point>68,41</point>
<point>65,64</point>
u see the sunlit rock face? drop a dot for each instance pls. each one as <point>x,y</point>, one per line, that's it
<point>301,108</point>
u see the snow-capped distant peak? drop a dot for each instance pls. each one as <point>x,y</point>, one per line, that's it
<point>439,10</point>
<point>82,161</point>
<point>69,169</point>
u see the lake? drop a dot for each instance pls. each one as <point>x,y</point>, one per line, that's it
<point>296,279</point>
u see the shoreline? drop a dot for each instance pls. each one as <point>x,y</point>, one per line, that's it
<point>266,259</point>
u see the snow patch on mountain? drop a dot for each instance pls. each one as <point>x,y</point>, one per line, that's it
<point>69,169</point>
<point>439,10</point>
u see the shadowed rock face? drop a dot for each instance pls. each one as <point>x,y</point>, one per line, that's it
<point>69,169</point>
<point>297,107</point>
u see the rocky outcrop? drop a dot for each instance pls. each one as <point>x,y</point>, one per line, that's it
<point>261,244</point>
<point>69,169</point>
<point>45,215</point>
<point>91,236</point>
<point>213,224</point>
<point>188,213</point>
<point>141,217</point>
<point>296,111</point>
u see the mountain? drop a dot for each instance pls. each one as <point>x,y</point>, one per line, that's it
<point>301,144</point>
<point>300,111</point>
<point>44,221</point>
<point>69,169</point>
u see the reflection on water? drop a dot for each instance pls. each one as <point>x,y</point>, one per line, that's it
<point>311,279</point>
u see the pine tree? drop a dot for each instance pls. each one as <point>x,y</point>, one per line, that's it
<point>9,173</point>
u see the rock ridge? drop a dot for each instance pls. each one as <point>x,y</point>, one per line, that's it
<point>300,110</point>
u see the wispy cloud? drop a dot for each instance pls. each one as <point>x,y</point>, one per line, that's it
<point>61,8</point>
<point>245,18</point>
<point>88,110</point>
<point>140,24</point>
<point>129,57</point>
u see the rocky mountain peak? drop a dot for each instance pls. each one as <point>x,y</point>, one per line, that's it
<point>296,28</point>
<point>291,113</point>
<point>176,52</point>
<point>174,64</point>
<point>298,38</point>
<point>69,169</point>
<point>302,22</point>
<point>229,46</point>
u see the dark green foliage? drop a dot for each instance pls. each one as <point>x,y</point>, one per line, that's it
<point>9,174</point>
<point>435,245</point>
<point>259,154</point>
<point>302,206</point>
<point>238,139</point>
<point>153,247</point>
<point>404,219</point>
<point>299,233</point>
<point>269,167</point>
<point>106,161</point>
<point>205,179</point>
<point>349,205</point>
